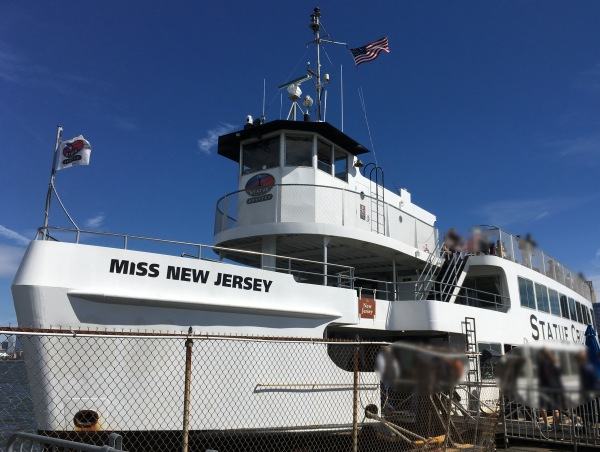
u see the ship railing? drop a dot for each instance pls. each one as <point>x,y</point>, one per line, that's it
<point>575,427</point>
<point>434,262</point>
<point>429,290</point>
<point>516,249</point>
<point>303,270</point>
<point>320,204</point>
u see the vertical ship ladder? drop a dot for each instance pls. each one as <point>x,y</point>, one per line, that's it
<point>377,189</point>
<point>471,349</point>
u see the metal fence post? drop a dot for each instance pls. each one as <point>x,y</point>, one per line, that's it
<point>447,441</point>
<point>355,402</point>
<point>186,397</point>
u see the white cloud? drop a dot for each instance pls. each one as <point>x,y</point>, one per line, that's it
<point>125,123</point>
<point>10,258</point>
<point>95,222</point>
<point>576,146</point>
<point>212,136</point>
<point>503,213</point>
<point>14,236</point>
<point>589,80</point>
<point>16,67</point>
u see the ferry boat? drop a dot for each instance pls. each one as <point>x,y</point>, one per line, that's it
<point>313,244</point>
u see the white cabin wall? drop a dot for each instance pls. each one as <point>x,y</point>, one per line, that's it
<point>308,195</point>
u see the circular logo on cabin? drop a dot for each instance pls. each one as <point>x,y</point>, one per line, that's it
<point>260,184</point>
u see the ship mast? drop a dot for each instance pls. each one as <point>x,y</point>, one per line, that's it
<point>315,26</point>
<point>293,86</point>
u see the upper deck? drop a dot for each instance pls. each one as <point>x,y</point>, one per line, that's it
<point>515,249</point>
<point>305,178</point>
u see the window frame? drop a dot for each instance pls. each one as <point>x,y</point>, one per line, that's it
<point>311,136</point>
<point>558,314</point>
<point>275,136</point>
<point>585,314</point>
<point>546,301</point>
<point>331,162</point>
<point>579,313</point>
<point>564,306</point>
<point>345,159</point>
<point>525,280</point>
<point>572,309</point>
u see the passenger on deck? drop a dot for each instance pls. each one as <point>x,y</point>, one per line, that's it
<point>526,251</point>
<point>453,242</point>
<point>500,249</point>
<point>478,243</point>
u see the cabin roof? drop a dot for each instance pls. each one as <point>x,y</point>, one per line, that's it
<point>229,145</point>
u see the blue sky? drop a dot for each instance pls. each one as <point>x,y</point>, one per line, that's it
<point>488,112</point>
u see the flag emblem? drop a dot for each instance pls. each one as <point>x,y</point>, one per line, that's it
<point>74,152</point>
<point>370,51</point>
<point>73,148</point>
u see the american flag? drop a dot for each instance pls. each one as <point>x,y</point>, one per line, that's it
<point>370,51</point>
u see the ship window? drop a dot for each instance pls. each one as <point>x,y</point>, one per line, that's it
<point>585,314</point>
<point>526,293</point>
<point>260,155</point>
<point>591,316</point>
<point>578,311</point>
<point>554,303</point>
<point>572,309</point>
<point>341,165</point>
<point>481,292</point>
<point>324,156</point>
<point>298,150</point>
<point>541,296</point>
<point>564,306</point>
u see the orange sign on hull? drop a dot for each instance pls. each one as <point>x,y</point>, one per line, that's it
<point>366,308</point>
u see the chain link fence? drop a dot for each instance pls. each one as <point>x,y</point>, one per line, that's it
<point>577,426</point>
<point>200,393</point>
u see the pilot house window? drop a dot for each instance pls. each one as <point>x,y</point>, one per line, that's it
<point>298,150</point>
<point>341,165</point>
<point>260,155</point>
<point>324,156</point>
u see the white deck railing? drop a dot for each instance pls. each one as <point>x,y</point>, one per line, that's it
<point>297,203</point>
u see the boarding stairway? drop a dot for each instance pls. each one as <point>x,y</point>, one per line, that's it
<point>442,277</point>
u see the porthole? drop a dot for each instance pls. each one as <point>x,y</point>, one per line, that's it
<point>400,218</point>
<point>362,195</point>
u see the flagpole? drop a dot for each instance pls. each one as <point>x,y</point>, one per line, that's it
<point>51,184</point>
